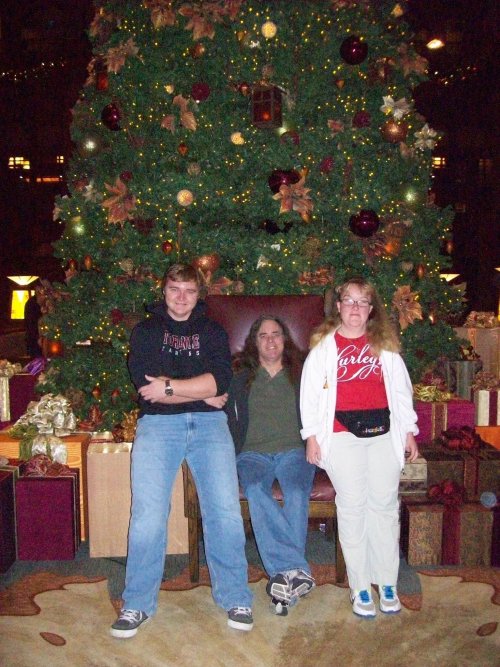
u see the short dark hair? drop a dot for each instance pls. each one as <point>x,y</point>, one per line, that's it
<point>181,273</point>
<point>249,357</point>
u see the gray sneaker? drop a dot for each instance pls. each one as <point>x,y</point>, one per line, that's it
<point>301,584</point>
<point>127,623</point>
<point>240,618</point>
<point>278,587</point>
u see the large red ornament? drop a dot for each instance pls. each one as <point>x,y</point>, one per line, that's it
<point>167,247</point>
<point>353,50</point>
<point>200,91</point>
<point>281,177</point>
<point>365,223</point>
<point>111,116</point>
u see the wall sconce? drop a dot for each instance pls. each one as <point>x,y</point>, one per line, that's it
<point>20,296</point>
<point>448,276</point>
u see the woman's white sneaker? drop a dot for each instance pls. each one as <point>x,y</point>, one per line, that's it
<point>389,601</point>
<point>362,604</point>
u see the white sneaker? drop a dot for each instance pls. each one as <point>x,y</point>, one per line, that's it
<point>362,604</point>
<point>389,601</point>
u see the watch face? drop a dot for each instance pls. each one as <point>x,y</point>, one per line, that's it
<point>168,389</point>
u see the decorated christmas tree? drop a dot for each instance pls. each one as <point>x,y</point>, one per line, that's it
<point>274,145</point>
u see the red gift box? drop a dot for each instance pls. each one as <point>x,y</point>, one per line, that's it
<point>7,520</point>
<point>48,517</point>
<point>467,535</point>
<point>437,416</point>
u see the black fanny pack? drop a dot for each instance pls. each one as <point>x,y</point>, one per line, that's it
<point>365,423</point>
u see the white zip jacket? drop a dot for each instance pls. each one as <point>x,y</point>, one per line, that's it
<point>318,396</point>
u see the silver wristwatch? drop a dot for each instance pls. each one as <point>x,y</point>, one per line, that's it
<point>169,390</point>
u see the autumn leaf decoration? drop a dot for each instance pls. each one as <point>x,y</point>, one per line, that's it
<point>120,203</point>
<point>162,13</point>
<point>187,118</point>
<point>116,56</point>
<point>405,303</point>
<point>295,197</point>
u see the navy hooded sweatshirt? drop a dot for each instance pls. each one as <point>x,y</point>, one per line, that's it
<point>160,345</point>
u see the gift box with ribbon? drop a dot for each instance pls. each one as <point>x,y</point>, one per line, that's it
<point>467,526</point>
<point>47,511</point>
<point>437,416</point>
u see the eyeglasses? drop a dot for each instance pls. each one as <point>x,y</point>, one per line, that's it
<point>361,303</point>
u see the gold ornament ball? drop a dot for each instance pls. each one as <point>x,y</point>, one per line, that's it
<point>185,197</point>
<point>340,83</point>
<point>210,262</point>
<point>269,29</point>
<point>237,138</point>
<point>169,88</point>
<point>394,132</point>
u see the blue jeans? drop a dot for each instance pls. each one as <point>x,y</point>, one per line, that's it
<point>280,532</point>
<point>160,445</point>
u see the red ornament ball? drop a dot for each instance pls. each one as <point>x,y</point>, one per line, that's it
<point>361,119</point>
<point>197,50</point>
<point>73,265</point>
<point>96,392</point>
<point>126,176</point>
<point>353,50</point>
<point>55,348</point>
<point>281,177</point>
<point>88,262</point>
<point>183,148</point>
<point>200,91</point>
<point>111,116</point>
<point>326,164</point>
<point>167,247</point>
<point>365,223</point>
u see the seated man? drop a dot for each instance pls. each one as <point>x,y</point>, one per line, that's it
<point>264,421</point>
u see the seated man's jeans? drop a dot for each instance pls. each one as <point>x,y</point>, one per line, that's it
<point>280,532</point>
<point>160,445</point>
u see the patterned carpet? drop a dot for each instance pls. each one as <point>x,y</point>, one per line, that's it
<point>62,620</point>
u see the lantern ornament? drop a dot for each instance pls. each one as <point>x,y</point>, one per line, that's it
<point>266,107</point>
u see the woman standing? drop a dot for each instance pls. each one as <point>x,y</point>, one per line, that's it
<point>358,419</point>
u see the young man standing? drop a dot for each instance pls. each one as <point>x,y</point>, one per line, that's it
<point>179,361</point>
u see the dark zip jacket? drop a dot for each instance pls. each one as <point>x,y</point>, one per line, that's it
<point>237,408</point>
<point>160,345</point>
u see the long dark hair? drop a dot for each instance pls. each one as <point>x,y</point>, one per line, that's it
<point>248,358</point>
